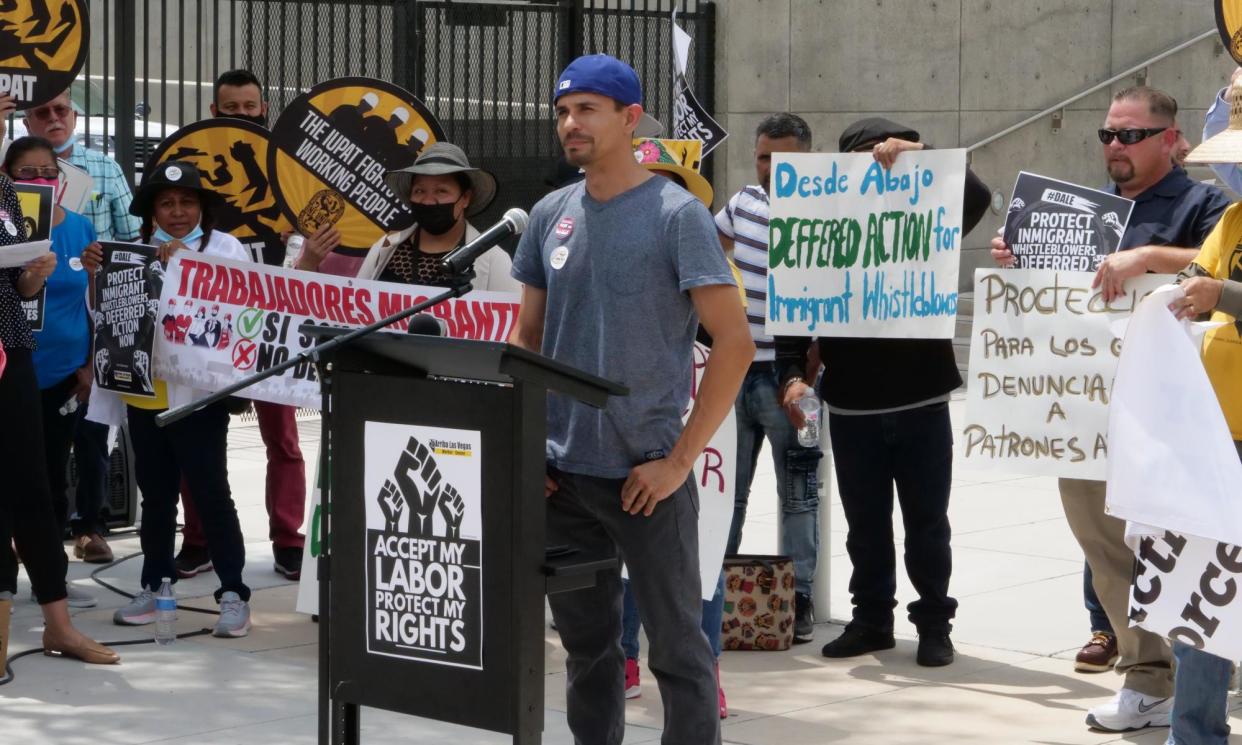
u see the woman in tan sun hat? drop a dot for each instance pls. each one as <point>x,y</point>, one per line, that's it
<point>1212,284</point>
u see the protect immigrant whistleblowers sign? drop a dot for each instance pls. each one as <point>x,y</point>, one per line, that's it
<point>856,250</point>
<point>1058,225</point>
<point>329,152</point>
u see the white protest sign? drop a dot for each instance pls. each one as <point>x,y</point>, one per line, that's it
<point>859,251</point>
<point>1043,353</point>
<point>248,317</point>
<point>1186,589</point>
<point>715,474</point>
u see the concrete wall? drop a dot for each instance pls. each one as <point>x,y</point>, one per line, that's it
<point>958,71</point>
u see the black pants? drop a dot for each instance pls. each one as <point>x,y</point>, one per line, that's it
<point>90,453</point>
<point>25,502</point>
<point>914,450</point>
<point>195,446</point>
<point>58,432</point>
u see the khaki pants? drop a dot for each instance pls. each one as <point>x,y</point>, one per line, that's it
<point>1146,659</point>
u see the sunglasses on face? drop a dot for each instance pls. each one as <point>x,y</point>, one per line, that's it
<point>31,172</point>
<point>46,113</point>
<point>1128,136</point>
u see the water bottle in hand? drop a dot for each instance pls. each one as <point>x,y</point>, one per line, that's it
<point>165,614</point>
<point>808,435</point>
<point>293,247</point>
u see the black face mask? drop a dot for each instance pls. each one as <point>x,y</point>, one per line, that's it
<point>260,119</point>
<point>436,219</point>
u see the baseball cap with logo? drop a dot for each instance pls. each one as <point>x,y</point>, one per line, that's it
<point>602,74</point>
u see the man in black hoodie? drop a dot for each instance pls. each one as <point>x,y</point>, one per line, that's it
<point>888,416</point>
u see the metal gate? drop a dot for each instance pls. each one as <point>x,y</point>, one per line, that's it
<point>486,69</point>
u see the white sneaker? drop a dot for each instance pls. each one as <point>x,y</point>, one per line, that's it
<point>234,617</point>
<point>76,598</point>
<point>1130,710</point>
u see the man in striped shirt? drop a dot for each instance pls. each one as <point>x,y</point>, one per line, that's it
<point>743,227</point>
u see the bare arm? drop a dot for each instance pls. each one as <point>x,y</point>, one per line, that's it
<point>725,242</point>
<point>732,351</point>
<point>1122,265</point>
<point>528,331</point>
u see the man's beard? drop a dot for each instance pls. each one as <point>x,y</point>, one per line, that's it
<point>581,157</point>
<point>1120,171</point>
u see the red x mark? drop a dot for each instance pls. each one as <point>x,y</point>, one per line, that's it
<point>244,354</point>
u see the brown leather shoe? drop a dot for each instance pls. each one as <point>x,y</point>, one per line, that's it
<point>1098,655</point>
<point>87,650</point>
<point>92,549</point>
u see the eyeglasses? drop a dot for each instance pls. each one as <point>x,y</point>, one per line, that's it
<point>45,113</point>
<point>26,173</point>
<point>1128,136</point>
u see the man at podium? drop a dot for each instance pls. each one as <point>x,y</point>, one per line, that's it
<point>617,272</point>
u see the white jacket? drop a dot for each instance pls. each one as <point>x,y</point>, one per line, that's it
<point>492,270</point>
<point>107,407</point>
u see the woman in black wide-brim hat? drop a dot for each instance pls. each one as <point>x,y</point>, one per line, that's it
<point>177,208</point>
<point>444,191</point>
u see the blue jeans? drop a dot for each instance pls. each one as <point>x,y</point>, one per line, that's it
<point>713,616</point>
<point>1099,619</point>
<point>759,414</point>
<point>1200,698</point>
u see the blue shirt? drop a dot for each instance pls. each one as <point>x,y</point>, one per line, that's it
<point>618,276</point>
<point>1217,121</point>
<point>64,344</point>
<point>1175,211</point>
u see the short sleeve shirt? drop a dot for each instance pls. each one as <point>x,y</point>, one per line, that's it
<point>618,276</point>
<point>1175,211</point>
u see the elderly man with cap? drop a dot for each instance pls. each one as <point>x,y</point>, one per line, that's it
<point>617,271</point>
<point>444,190</point>
<point>889,427</point>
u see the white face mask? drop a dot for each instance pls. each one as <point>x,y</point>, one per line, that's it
<point>163,237</point>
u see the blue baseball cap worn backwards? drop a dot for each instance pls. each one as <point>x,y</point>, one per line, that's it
<point>601,74</point>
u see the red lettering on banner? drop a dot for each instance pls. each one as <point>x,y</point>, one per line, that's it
<point>332,303</point>
<point>271,292</point>
<point>297,297</point>
<point>314,298</point>
<point>444,312</point>
<point>465,320</point>
<point>237,287</point>
<point>220,287</point>
<point>347,305</point>
<point>483,322</point>
<point>256,299</point>
<point>188,266</point>
<point>363,300</point>
<point>202,281</point>
<point>502,311</point>
<point>390,303</point>
<point>282,296</point>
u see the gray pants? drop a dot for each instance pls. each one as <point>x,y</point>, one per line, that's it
<point>662,555</point>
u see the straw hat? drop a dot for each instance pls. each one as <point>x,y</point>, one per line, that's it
<point>1225,147</point>
<point>680,157</point>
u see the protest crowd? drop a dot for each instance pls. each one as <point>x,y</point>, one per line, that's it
<point>621,271</point>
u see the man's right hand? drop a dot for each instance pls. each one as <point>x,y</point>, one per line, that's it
<point>1001,253</point>
<point>317,247</point>
<point>794,392</point>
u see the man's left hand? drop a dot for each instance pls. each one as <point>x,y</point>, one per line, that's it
<point>1202,296</point>
<point>1116,269</point>
<point>886,152</point>
<point>651,483</point>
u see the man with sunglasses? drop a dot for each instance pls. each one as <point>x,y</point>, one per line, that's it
<point>1172,216</point>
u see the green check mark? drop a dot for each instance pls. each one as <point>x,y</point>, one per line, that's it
<point>250,322</point>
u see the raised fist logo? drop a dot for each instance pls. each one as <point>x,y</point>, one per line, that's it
<point>393,504</point>
<point>419,480</point>
<point>142,366</point>
<point>452,508</point>
<point>102,364</point>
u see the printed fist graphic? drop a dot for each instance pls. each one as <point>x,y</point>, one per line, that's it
<point>392,503</point>
<point>452,508</point>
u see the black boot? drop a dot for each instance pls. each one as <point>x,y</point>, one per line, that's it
<point>935,648</point>
<point>856,640</point>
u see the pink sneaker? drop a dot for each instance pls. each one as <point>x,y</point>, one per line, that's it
<point>724,708</point>
<point>632,689</point>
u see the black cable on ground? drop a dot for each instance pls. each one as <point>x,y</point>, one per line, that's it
<point>130,595</point>
<point>10,676</point>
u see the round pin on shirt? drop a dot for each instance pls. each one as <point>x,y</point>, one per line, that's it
<point>559,256</point>
<point>10,228</point>
<point>75,264</point>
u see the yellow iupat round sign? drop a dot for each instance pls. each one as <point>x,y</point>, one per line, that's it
<point>329,152</point>
<point>43,45</point>
<point>1229,24</point>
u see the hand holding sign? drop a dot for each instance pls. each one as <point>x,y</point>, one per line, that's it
<point>1201,295</point>
<point>92,257</point>
<point>41,268</point>
<point>165,250</point>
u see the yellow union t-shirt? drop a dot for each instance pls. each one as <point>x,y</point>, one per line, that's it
<point>159,401</point>
<point>1221,256</point>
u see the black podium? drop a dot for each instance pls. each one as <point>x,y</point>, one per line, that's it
<point>435,565</point>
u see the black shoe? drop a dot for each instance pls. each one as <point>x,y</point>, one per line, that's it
<point>288,561</point>
<point>857,640</point>
<point>191,560</point>
<point>804,618</point>
<point>935,649</point>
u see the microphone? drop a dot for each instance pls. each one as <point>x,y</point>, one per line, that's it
<point>426,324</point>
<point>513,223</point>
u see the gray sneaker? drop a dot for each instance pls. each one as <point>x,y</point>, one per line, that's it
<point>76,598</point>
<point>139,612</point>
<point>234,616</point>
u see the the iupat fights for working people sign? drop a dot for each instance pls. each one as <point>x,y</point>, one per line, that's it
<point>43,45</point>
<point>857,250</point>
<point>329,152</point>
<point>127,292</point>
<point>232,155</point>
<point>1058,225</point>
<point>250,315</point>
<point>1043,352</point>
<point>36,202</point>
<point>424,543</point>
<point>1229,25</point>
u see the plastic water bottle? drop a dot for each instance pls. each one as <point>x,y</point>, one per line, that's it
<point>165,614</point>
<point>808,435</point>
<point>293,247</point>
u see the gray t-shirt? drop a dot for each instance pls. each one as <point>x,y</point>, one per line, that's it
<point>617,275</point>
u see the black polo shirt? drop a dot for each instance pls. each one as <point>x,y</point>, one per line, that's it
<point>1175,211</point>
